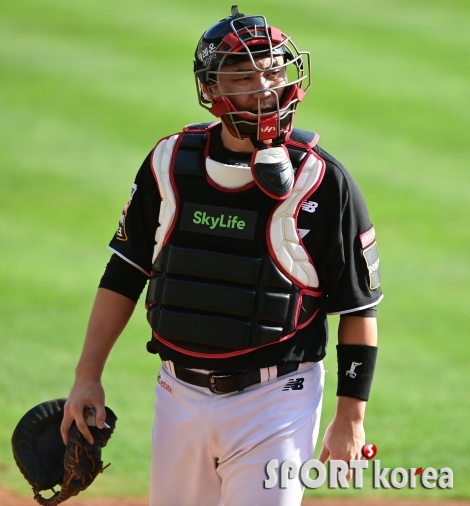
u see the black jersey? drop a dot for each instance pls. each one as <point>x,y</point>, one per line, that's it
<point>334,226</point>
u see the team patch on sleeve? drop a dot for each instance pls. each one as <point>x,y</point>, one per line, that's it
<point>371,256</point>
<point>370,253</point>
<point>121,234</point>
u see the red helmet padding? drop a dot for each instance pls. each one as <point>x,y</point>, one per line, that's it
<point>276,35</point>
<point>232,41</point>
<point>221,106</point>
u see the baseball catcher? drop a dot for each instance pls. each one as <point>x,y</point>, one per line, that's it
<point>247,234</point>
<point>46,462</point>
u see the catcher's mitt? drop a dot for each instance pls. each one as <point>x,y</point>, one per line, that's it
<point>46,462</point>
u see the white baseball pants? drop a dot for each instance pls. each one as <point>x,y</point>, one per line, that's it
<point>212,450</point>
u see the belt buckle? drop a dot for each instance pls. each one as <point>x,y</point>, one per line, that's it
<point>212,382</point>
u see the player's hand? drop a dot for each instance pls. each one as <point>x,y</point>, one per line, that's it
<point>83,393</point>
<point>345,436</point>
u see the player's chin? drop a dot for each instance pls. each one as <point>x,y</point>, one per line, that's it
<point>264,110</point>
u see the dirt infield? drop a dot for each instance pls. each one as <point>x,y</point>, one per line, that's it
<point>9,499</point>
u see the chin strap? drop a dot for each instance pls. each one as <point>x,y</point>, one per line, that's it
<point>272,169</point>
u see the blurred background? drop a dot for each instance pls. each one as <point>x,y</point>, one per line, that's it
<point>86,90</point>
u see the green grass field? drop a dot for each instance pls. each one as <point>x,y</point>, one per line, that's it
<point>87,88</point>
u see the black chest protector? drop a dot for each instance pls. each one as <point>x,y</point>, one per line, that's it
<point>216,288</point>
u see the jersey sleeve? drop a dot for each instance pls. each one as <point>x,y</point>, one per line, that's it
<point>134,239</point>
<point>352,268</point>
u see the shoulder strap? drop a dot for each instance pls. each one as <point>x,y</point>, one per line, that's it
<point>190,157</point>
<point>200,127</point>
<point>302,138</point>
<point>189,160</point>
<point>299,143</point>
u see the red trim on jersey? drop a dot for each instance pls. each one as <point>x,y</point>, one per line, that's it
<point>367,237</point>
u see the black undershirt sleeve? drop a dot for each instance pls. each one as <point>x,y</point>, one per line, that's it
<point>123,278</point>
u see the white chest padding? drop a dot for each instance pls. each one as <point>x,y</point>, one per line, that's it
<point>227,176</point>
<point>283,235</point>
<point>161,164</point>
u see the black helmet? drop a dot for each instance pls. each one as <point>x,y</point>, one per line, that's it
<point>239,37</point>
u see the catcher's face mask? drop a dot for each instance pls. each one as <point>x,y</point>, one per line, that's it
<point>247,47</point>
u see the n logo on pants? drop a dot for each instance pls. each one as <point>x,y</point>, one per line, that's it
<point>294,384</point>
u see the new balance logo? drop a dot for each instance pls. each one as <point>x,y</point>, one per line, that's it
<point>351,372</point>
<point>294,384</point>
<point>309,206</point>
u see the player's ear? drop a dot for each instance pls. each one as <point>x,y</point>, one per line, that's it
<point>204,94</point>
<point>207,92</point>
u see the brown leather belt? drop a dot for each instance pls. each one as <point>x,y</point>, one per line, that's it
<point>226,383</point>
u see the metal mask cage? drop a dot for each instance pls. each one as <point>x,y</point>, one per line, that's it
<point>248,41</point>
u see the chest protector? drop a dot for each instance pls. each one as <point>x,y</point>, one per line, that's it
<point>230,273</point>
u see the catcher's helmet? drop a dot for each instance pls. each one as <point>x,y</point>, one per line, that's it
<point>237,38</point>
